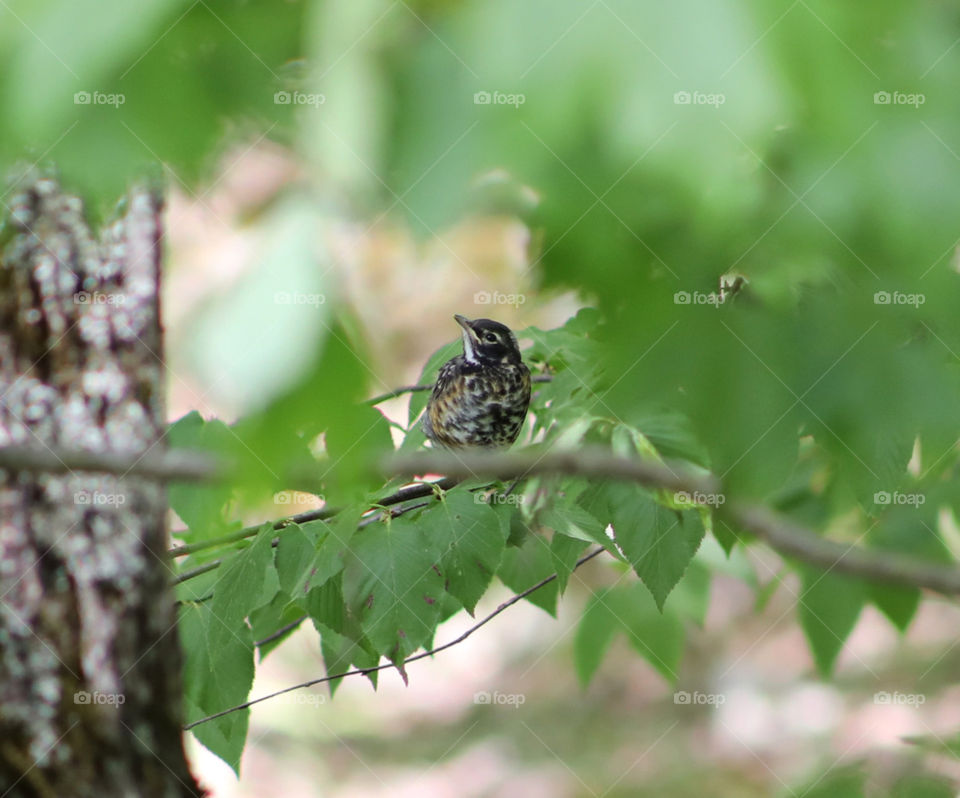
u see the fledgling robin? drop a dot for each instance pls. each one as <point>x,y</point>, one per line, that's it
<point>481,397</point>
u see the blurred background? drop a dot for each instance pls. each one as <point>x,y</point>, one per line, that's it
<point>360,170</point>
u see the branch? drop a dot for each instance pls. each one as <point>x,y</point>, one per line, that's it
<point>175,464</point>
<point>588,462</point>
<point>417,491</point>
<point>780,532</point>
<point>364,671</point>
<point>795,541</point>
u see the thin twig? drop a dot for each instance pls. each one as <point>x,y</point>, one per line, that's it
<point>416,491</point>
<point>364,671</point>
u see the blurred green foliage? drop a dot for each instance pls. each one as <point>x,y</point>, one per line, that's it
<point>810,147</point>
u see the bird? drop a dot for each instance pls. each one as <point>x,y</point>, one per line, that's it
<point>481,397</point>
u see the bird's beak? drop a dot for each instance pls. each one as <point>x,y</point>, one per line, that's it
<point>469,337</point>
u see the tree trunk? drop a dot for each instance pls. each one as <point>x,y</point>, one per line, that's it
<point>90,693</point>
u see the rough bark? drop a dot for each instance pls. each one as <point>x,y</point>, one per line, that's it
<point>90,693</point>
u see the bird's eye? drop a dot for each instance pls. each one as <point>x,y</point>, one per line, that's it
<point>490,338</point>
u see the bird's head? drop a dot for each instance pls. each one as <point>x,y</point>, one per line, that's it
<point>488,342</point>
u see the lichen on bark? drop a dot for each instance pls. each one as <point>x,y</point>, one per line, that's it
<point>90,694</point>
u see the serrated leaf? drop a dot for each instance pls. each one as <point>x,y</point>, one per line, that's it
<point>691,597</point>
<point>268,619</point>
<point>474,544</point>
<point>629,610</point>
<point>340,653</point>
<point>657,541</point>
<point>829,606</point>
<point>897,602</point>
<point>201,507</point>
<point>525,565</point>
<point>325,605</point>
<point>565,552</point>
<point>393,583</point>
<point>216,678</point>
<point>295,551</point>
<point>247,580</point>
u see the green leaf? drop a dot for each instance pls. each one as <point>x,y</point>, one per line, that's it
<point>843,782</point>
<point>325,605</point>
<point>270,618</point>
<point>393,583</point>
<point>568,517</point>
<point>340,653</point>
<point>565,552</point>
<point>897,602</point>
<point>691,597</point>
<point>216,678</point>
<point>924,785</point>
<point>657,636</point>
<point>829,606</point>
<point>202,507</point>
<point>294,555</point>
<point>247,580</point>
<point>657,541</point>
<point>474,540</point>
<point>525,565</point>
